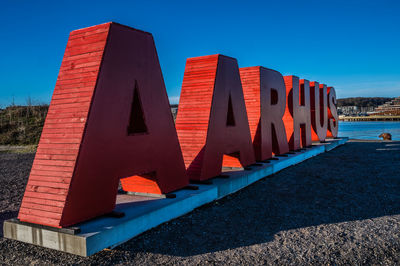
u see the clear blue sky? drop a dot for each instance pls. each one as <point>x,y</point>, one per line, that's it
<point>351,45</point>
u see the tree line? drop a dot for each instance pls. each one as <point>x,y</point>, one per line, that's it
<point>22,125</point>
<point>363,101</point>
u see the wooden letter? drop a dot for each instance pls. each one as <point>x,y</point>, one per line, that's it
<point>212,122</point>
<point>297,117</point>
<point>319,111</point>
<point>333,124</point>
<point>265,96</point>
<point>109,118</point>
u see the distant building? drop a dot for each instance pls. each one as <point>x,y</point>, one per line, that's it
<point>389,108</point>
<point>355,110</point>
<point>347,110</point>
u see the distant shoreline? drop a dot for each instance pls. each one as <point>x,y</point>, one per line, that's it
<point>381,118</point>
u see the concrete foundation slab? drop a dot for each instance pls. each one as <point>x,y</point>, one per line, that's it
<point>143,213</point>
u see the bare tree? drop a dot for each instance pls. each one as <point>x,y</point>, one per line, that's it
<point>28,106</point>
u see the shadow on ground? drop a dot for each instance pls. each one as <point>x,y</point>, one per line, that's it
<point>354,182</point>
<point>289,218</point>
<point>5,216</point>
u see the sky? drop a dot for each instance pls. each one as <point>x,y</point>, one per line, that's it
<point>350,45</point>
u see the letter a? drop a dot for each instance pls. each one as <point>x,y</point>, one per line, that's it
<point>265,96</point>
<point>109,118</point>
<point>212,121</point>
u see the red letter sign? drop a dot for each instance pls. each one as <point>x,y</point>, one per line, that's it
<point>109,118</point>
<point>297,116</point>
<point>212,119</point>
<point>319,111</point>
<point>265,96</point>
<point>333,124</point>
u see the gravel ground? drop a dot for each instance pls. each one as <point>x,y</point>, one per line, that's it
<point>341,207</point>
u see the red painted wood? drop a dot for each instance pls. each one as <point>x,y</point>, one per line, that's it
<point>40,195</point>
<point>41,219</point>
<point>297,118</point>
<point>56,179</point>
<point>85,147</point>
<point>43,202</point>
<point>319,111</point>
<point>206,139</point>
<point>47,169</point>
<point>333,119</point>
<point>35,206</point>
<point>56,157</point>
<point>265,96</point>
<point>41,213</point>
<point>141,184</point>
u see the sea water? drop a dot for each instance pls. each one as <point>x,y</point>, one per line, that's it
<point>369,129</point>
